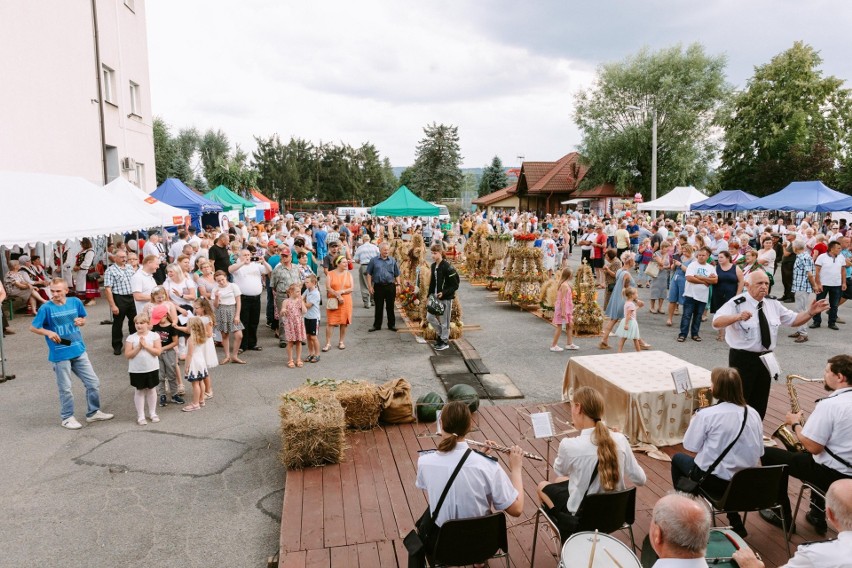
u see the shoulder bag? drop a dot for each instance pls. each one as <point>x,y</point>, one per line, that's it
<point>688,485</point>
<point>568,522</point>
<point>425,527</point>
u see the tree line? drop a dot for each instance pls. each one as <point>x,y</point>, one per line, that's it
<point>302,171</point>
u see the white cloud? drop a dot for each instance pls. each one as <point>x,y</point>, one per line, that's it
<point>379,70</point>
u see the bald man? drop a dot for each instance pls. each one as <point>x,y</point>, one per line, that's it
<point>751,321</point>
<point>838,502</point>
<point>680,530</point>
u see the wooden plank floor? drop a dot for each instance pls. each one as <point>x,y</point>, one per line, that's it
<point>356,513</point>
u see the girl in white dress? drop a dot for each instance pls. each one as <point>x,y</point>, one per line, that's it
<point>628,328</point>
<point>201,308</point>
<point>196,363</point>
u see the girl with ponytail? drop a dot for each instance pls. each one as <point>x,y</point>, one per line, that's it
<point>596,448</point>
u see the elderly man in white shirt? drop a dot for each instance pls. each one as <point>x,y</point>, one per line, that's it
<point>362,256</point>
<point>679,532</point>
<point>248,274</point>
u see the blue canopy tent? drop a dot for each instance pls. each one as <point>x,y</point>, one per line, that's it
<point>731,200</point>
<point>844,204</point>
<point>175,193</point>
<point>812,196</point>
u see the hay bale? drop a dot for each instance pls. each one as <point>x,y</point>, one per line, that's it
<point>312,431</point>
<point>359,399</point>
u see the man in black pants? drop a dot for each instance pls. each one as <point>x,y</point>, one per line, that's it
<point>751,321</point>
<point>827,438</point>
<point>382,280</point>
<point>119,294</point>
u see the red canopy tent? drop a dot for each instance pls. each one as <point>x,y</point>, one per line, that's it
<point>273,208</point>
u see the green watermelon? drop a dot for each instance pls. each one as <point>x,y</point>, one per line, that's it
<point>428,406</point>
<point>464,393</point>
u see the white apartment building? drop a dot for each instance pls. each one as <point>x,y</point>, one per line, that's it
<point>75,98</point>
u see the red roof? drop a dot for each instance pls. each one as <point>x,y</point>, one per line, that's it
<point>598,192</point>
<point>561,176</point>
<point>495,196</point>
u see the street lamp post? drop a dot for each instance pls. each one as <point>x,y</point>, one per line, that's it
<point>653,153</point>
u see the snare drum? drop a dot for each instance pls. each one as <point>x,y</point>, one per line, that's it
<point>608,552</point>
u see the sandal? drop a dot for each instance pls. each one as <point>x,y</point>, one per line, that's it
<point>142,422</point>
<point>291,364</point>
<point>603,345</point>
<point>190,408</point>
<point>681,338</point>
<point>225,361</point>
<point>239,361</point>
<point>645,346</point>
<point>341,346</point>
<point>696,338</point>
<point>326,348</point>
<point>300,364</point>
<point>208,395</point>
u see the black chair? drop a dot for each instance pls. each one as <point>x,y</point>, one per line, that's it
<point>604,512</point>
<point>752,489</point>
<point>470,541</point>
<point>814,489</point>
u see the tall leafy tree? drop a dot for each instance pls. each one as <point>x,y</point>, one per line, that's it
<point>790,123</point>
<point>685,87</point>
<point>213,146</point>
<point>437,159</point>
<point>164,150</point>
<point>493,177</point>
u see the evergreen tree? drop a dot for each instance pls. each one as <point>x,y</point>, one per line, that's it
<point>493,177</point>
<point>164,150</point>
<point>437,160</point>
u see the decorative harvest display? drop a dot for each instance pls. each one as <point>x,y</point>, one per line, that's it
<point>524,274</point>
<point>588,316</point>
<point>547,298</point>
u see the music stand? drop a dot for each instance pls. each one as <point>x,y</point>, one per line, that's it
<point>542,425</point>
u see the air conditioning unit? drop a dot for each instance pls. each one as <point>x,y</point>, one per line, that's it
<point>128,164</point>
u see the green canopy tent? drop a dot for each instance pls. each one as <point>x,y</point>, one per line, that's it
<point>231,201</point>
<point>403,203</point>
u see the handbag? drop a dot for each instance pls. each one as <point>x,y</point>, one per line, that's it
<point>652,269</point>
<point>688,485</point>
<point>333,304</point>
<point>567,522</point>
<point>425,527</point>
<point>434,306</point>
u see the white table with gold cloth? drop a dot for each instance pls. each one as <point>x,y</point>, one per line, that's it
<point>639,392</point>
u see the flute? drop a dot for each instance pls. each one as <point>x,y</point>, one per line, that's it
<point>504,449</point>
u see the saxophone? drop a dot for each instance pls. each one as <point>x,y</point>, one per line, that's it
<point>783,433</point>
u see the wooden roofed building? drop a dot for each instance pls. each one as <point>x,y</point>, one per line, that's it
<point>542,187</point>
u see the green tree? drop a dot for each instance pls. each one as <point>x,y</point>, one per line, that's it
<point>213,147</point>
<point>437,159</point>
<point>233,171</point>
<point>164,150</point>
<point>790,123</point>
<point>685,87</point>
<point>493,177</point>
<point>407,178</point>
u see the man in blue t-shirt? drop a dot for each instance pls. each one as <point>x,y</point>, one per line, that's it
<point>59,321</point>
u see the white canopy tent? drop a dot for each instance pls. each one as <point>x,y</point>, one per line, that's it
<point>42,208</point>
<point>136,199</point>
<point>678,199</point>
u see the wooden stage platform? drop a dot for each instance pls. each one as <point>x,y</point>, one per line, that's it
<point>356,513</point>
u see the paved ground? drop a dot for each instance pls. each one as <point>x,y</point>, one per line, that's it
<point>115,493</point>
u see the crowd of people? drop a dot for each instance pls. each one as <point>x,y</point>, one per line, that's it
<point>184,296</point>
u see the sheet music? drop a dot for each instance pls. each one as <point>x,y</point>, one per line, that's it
<point>542,423</point>
<point>681,379</point>
<point>771,364</point>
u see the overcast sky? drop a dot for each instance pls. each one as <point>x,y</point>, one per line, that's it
<point>503,72</point>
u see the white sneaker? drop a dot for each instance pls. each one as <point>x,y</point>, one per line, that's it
<point>99,416</point>
<point>556,349</point>
<point>572,347</point>
<point>71,423</point>
<point>155,418</point>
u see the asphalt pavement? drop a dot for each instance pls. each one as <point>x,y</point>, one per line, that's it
<point>205,488</point>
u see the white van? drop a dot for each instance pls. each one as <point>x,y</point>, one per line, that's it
<point>443,213</point>
<point>362,212</point>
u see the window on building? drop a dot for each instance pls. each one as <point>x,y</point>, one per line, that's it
<point>135,101</point>
<point>109,85</point>
<point>130,4</point>
<point>140,175</point>
<point>112,165</point>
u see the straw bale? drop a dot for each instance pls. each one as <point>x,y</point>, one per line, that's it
<point>312,431</point>
<point>360,399</point>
